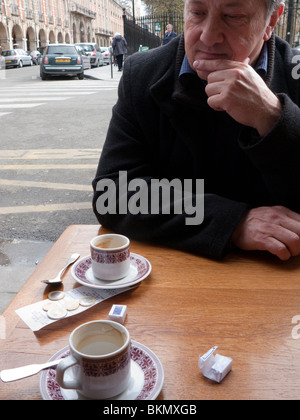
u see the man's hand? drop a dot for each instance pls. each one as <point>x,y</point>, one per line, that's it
<point>274,229</point>
<point>236,88</point>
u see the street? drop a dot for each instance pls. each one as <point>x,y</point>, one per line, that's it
<point>52,133</point>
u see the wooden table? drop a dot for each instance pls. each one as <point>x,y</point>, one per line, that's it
<point>244,304</point>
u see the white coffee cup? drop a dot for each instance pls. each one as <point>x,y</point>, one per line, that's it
<point>101,352</point>
<point>110,255</point>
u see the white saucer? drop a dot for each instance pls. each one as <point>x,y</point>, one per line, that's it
<point>82,272</point>
<point>147,377</point>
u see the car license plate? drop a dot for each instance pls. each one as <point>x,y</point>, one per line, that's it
<point>8,61</point>
<point>62,60</point>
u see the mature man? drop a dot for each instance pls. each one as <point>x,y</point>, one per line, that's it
<point>219,103</point>
<point>119,46</point>
<point>169,35</point>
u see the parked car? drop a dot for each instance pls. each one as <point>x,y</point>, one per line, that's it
<point>93,50</point>
<point>2,63</point>
<point>36,56</point>
<point>106,53</point>
<point>62,59</point>
<point>85,57</point>
<point>2,67</point>
<point>17,58</point>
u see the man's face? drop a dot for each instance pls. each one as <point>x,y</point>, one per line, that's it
<point>225,29</point>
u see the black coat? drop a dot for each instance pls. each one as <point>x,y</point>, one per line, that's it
<point>161,129</point>
<point>168,37</point>
<point>119,45</point>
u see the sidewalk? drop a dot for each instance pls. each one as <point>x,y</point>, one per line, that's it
<point>104,73</point>
<point>19,258</point>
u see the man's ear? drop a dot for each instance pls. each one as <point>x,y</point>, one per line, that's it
<point>273,21</point>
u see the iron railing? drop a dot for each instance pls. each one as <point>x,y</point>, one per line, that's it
<point>148,31</point>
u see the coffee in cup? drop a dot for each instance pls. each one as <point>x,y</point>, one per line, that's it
<point>101,352</point>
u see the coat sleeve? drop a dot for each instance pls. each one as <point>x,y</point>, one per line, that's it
<point>277,156</point>
<point>126,151</point>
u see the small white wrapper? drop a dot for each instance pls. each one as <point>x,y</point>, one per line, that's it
<point>215,367</point>
<point>118,313</point>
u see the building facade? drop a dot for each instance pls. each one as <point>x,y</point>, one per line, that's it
<point>31,24</point>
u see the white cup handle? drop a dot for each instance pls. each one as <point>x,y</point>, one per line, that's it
<point>60,372</point>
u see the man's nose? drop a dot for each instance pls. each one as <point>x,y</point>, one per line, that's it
<point>211,33</point>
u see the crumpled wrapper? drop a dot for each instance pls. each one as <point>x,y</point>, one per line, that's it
<point>215,367</point>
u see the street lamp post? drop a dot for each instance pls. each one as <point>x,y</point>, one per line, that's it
<point>133,13</point>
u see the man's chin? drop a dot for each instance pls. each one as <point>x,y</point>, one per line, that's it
<point>203,74</point>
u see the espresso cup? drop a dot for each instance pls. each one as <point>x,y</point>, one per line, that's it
<point>110,255</point>
<point>100,350</point>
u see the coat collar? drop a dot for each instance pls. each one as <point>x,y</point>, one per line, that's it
<point>168,89</point>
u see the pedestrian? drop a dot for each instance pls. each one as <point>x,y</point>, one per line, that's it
<point>119,46</point>
<point>169,34</point>
<point>221,104</point>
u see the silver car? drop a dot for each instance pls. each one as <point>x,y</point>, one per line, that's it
<point>94,52</point>
<point>106,52</point>
<point>2,67</point>
<point>17,58</point>
<point>2,63</point>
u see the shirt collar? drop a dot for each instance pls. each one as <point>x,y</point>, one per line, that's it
<point>186,68</point>
<point>261,65</point>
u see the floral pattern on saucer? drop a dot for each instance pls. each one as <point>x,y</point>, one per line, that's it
<point>149,364</point>
<point>82,272</point>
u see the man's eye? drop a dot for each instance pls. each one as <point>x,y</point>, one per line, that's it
<point>198,13</point>
<point>235,17</point>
